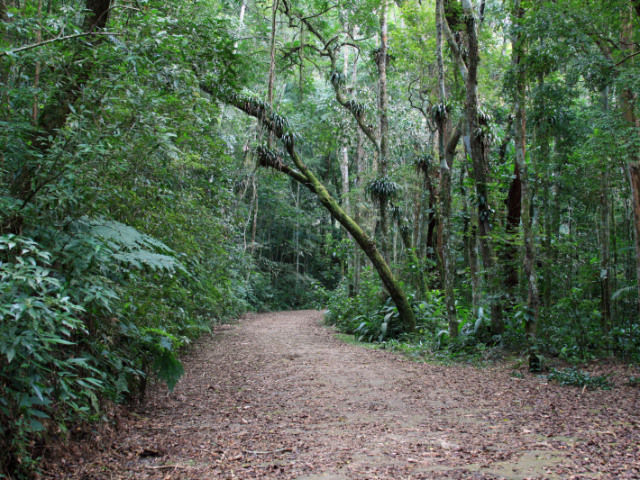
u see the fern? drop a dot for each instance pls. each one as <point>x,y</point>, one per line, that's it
<point>130,246</point>
<point>123,236</point>
<point>155,261</point>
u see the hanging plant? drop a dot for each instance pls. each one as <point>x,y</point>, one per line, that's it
<point>337,79</point>
<point>382,190</point>
<point>396,213</point>
<point>268,158</point>
<point>439,112</point>
<point>423,163</point>
<point>356,108</point>
<point>484,117</point>
<point>289,138</point>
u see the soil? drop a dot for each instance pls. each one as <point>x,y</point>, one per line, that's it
<point>279,396</point>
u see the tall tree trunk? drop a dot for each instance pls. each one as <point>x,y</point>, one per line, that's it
<point>36,77</point>
<point>605,253</point>
<point>344,151</point>
<point>471,244</point>
<point>531,317</point>
<point>383,94</point>
<point>605,238</point>
<point>383,107</point>
<point>272,63</point>
<point>634,178</point>
<point>514,209</point>
<point>445,152</point>
<point>627,98</point>
<point>480,164</point>
<point>243,10</point>
<point>431,240</point>
<point>417,214</point>
<point>54,115</point>
<point>360,167</point>
<point>254,221</point>
<point>296,234</point>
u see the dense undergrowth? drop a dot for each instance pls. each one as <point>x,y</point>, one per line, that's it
<point>371,317</point>
<point>89,312</point>
<point>116,238</point>
<point>134,218</point>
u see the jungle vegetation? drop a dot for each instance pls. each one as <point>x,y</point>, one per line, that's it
<point>453,175</point>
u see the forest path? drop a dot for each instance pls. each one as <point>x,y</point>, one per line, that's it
<point>278,396</point>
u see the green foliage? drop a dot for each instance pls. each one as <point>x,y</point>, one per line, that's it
<point>382,190</point>
<point>344,307</point>
<point>116,243</point>
<point>132,216</point>
<point>383,324</point>
<point>42,378</point>
<point>579,378</point>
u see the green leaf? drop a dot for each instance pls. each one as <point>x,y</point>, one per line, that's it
<point>168,368</point>
<point>36,425</point>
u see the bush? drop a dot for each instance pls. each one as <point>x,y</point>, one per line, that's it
<point>346,310</point>
<point>82,323</point>
<point>578,378</point>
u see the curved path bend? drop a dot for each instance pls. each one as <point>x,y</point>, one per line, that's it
<point>279,396</point>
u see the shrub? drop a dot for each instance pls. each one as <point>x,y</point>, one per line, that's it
<point>579,378</point>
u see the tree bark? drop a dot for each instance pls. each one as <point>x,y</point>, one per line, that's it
<point>98,15</point>
<point>605,238</point>
<point>383,94</point>
<point>628,113</point>
<point>446,149</point>
<point>254,220</point>
<point>383,107</point>
<point>634,177</point>
<point>514,208</point>
<point>54,115</point>
<point>272,63</point>
<point>474,143</point>
<point>533,301</point>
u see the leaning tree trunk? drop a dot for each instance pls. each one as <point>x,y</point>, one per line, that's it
<point>392,285</point>
<point>307,178</point>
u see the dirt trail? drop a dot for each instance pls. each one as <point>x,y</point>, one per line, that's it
<point>278,396</point>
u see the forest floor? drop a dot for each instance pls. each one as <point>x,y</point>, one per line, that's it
<point>279,396</point>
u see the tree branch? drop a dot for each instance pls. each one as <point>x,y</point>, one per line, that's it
<point>450,149</point>
<point>57,39</point>
<point>627,58</point>
<point>354,108</point>
<point>455,48</point>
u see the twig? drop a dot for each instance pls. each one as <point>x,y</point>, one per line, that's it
<point>285,449</point>
<point>56,39</point>
<point>169,467</point>
<point>627,58</point>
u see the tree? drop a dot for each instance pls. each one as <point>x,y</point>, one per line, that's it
<point>468,63</point>
<point>519,50</point>
<point>303,175</point>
